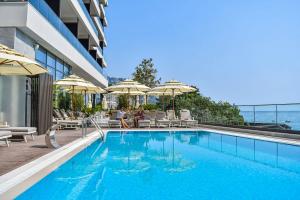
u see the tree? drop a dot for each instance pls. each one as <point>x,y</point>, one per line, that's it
<point>206,110</point>
<point>145,73</point>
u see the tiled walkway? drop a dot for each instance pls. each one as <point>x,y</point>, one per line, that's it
<point>20,153</point>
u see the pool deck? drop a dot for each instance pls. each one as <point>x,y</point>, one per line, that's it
<point>19,153</point>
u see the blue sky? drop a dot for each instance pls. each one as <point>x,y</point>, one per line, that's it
<point>244,52</point>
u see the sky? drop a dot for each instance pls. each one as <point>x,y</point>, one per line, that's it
<point>240,51</point>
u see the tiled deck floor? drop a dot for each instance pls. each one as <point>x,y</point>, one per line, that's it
<point>20,153</point>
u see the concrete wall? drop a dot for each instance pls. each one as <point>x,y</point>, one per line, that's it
<point>13,88</point>
<point>12,100</point>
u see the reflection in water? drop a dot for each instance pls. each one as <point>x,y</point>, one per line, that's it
<point>133,154</point>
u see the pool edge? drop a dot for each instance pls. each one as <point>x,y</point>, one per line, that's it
<point>18,180</point>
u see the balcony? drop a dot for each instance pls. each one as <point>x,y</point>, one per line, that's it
<point>47,12</point>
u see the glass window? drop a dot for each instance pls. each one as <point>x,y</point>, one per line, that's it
<point>59,75</point>
<point>40,55</point>
<point>50,60</point>
<point>67,69</point>
<point>51,71</point>
<point>59,65</point>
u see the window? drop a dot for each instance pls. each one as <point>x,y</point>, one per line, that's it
<point>51,71</point>
<point>50,60</point>
<point>59,75</point>
<point>56,67</point>
<point>40,56</point>
<point>59,65</point>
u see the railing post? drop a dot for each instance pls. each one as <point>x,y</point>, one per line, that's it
<point>276,114</point>
<point>254,120</point>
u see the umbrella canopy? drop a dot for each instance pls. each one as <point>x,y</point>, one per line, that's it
<point>173,87</point>
<point>128,86</point>
<point>73,83</point>
<point>134,93</point>
<point>14,63</point>
<point>155,93</point>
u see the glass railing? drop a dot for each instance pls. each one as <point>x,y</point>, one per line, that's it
<point>282,116</point>
<point>51,16</point>
<point>88,16</point>
<point>269,117</point>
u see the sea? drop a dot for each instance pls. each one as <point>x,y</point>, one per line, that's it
<point>290,118</point>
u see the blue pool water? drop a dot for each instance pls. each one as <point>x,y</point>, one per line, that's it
<point>175,165</point>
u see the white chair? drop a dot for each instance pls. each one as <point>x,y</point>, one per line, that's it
<point>186,119</point>
<point>173,119</point>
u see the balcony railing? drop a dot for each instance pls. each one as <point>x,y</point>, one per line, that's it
<point>88,16</point>
<point>53,19</point>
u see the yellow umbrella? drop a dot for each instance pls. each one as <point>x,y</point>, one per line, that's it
<point>128,86</point>
<point>14,63</point>
<point>173,87</point>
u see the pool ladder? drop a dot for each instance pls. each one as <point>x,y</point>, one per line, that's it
<point>93,121</point>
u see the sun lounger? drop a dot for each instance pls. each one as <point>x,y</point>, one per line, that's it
<point>175,122</point>
<point>186,119</point>
<point>69,124</point>
<point>161,120</point>
<point>21,131</point>
<point>4,135</point>
<point>113,122</point>
<point>146,122</point>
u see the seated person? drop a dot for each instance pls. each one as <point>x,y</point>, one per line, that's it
<point>121,115</point>
<point>139,115</point>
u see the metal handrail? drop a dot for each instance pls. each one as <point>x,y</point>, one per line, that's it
<point>93,121</point>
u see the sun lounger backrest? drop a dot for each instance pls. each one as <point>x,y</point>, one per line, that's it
<point>152,114</point>
<point>185,114</point>
<point>57,114</point>
<point>160,115</point>
<point>171,115</point>
<point>147,115</point>
<point>113,114</point>
<point>64,114</point>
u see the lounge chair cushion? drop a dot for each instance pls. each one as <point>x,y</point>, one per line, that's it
<point>5,134</point>
<point>19,129</point>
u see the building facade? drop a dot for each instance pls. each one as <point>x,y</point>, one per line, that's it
<point>66,36</point>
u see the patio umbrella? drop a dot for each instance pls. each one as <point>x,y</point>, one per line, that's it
<point>74,84</point>
<point>173,87</point>
<point>14,63</point>
<point>128,86</point>
<point>163,94</point>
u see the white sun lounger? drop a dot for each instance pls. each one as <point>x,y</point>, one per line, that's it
<point>161,120</point>
<point>4,135</point>
<point>175,122</point>
<point>186,119</point>
<point>21,131</point>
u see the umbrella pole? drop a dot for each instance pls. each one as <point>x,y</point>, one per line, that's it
<point>128,99</point>
<point>85,98</point>
<point>73,102</point>
<point>173,94</point>
<point>163,102</point>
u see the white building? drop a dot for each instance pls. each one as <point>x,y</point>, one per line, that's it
<point>66,36</point>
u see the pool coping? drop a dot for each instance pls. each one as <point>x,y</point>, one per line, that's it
<point>17,181</point>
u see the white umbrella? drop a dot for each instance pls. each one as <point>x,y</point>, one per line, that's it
<point>174,87</point>
<point>14,63</point>
<point>129,87</point>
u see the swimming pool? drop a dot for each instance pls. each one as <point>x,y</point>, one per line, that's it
<point>175,165</point>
